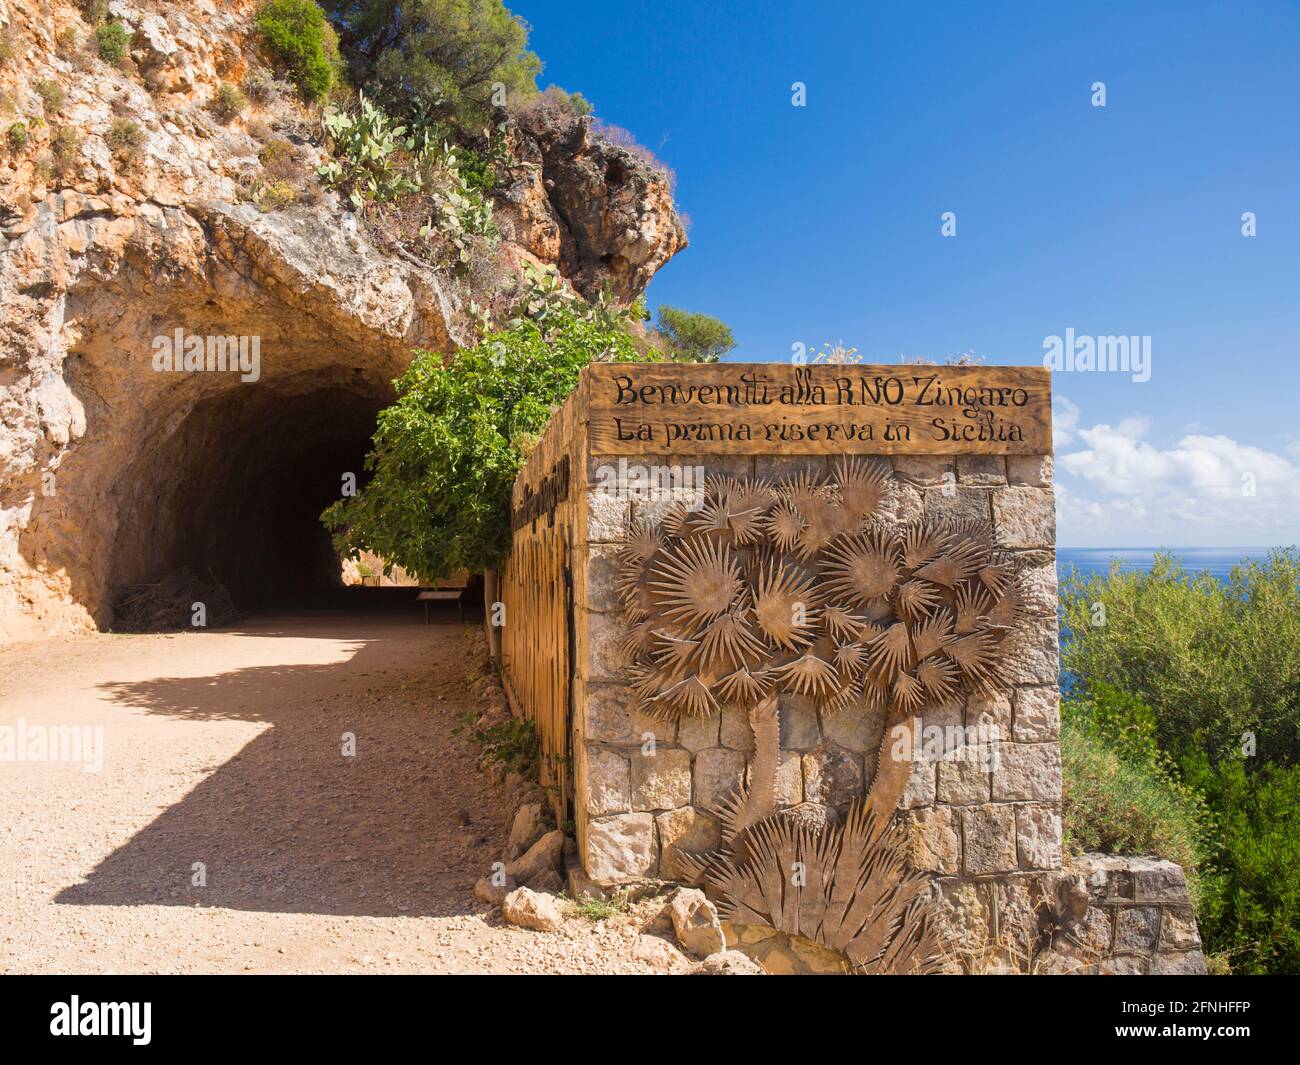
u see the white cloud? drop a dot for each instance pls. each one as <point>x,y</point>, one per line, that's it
<point>1065,420</point>
<point>1203,491</point>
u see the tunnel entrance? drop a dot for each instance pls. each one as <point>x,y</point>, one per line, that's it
<point>234,493</point>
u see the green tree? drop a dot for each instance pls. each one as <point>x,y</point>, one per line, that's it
<point>296,33</point>
<point>1214,660</point>
<point>445,454</point>
<point>1250,910</point>
<point>437,57</point>
<point>694,337</point>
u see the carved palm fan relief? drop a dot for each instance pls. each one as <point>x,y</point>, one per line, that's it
<point>799,586</point>
<point>849,887</point>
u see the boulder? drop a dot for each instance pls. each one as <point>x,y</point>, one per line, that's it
<point>729,963</point>
<point>695,921</point>
<point>493,894</point>
<point>524,829</point>
<point>531,909</point>
<point>543,856</point>
<point>549,882</point>
<point>657,952</point>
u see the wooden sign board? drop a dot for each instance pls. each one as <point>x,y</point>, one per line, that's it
<point>776,408</point>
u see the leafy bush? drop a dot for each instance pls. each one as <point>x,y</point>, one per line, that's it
<point>262,86</point>
<point>65,149</point>
<point>513,744</point>
<point>1214,669</point>
<point>552,108</point>
<point>1250,912</point>
<point>125,138</point>
<point>694,337</point>
<point>93,11</point>
<point>1213,660</point>
<point>1120,794</point>
<point>442,57</point>
<point>445,455</point>
<point>113,42</point>
<point>296,33</point>
<point>227,102</point>
<point>51,95</point>
<point>16,136</point>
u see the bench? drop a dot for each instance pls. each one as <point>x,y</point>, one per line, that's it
<point>441,595</point>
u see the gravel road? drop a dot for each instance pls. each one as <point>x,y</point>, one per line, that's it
<point>225,748</point>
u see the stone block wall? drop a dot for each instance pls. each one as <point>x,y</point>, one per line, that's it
<point>646,789</point>
<point>1139,920</point>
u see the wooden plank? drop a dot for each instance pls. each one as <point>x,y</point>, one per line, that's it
<point>777,408</point>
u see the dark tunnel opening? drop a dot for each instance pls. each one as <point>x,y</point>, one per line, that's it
<point>254,519</point>
<point>236,492</point>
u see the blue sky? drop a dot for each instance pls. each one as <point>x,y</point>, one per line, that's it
<point>821,223</point>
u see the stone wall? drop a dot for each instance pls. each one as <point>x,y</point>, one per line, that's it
<point>644,801</point>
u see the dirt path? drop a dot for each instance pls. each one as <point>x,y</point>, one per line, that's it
<point>225,748</point>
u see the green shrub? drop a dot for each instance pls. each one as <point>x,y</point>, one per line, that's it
<point>227,102</point>
<point>51,95</point>
<point>1250,912</point>
<point>65,150</point>
<point>93,11</point>
<point>16,136</point>
<point>512,744</point>
<point>440,57</point>
<point>262,86</point>
<point>113,42</point>
<point>445,455</point>
<point>1119,795</point>
<point>694,337</point>
<point>296,33</point>
<point>125,138</point>
<point>1218,663</point>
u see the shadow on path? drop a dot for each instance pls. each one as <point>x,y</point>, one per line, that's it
<point>290,824</point>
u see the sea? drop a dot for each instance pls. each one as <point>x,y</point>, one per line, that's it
<point>1217,561</point>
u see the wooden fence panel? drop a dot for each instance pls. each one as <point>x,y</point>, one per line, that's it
<point>537,591</point>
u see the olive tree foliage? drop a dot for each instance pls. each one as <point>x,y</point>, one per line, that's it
<point>445,455</point>
<point>437,58</point>
<point>694,337</point>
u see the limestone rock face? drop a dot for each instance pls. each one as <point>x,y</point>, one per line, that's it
<point>611,213</point>
<point>112,472</point>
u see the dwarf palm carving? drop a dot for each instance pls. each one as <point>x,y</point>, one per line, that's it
<point>848,887</point>
<point>799,587</point>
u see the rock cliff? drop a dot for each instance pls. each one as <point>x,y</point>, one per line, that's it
<point>129,210</point>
